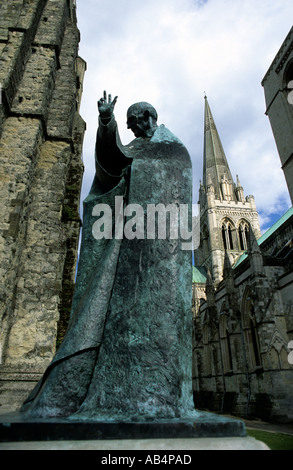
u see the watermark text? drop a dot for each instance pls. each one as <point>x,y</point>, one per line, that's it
<point>156,221</point>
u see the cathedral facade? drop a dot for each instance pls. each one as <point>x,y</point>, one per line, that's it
<point>242,298</point>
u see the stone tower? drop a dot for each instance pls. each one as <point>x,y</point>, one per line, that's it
<point>225,213</point>
<point>278,88</point>
<point>41,135</point>
<point>242,305</point>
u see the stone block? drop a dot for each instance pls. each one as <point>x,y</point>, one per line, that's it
<point>36,88</point>
<point>10,13</point>
<point>52,24</point>
<point>62,112</point>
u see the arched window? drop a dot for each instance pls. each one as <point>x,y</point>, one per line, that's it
<point>227,235</point>
<point>243,234</point>
<point>241,244</point>
<point>279,356</point>
<point>230,237</point>
<point>246,233</point>
<point>206,351</point>
<point>224,237</point>
<point>229,350</point>
<point>250,330</point>
<point>226,349</point>
<point>254,337</point>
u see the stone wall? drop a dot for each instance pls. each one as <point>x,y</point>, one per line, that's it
<point>242,332</point>
<point>41,135</point>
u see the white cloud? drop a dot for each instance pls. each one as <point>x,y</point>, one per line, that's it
<point>169,52</point>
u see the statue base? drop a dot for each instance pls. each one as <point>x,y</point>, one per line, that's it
<point>16,428</point>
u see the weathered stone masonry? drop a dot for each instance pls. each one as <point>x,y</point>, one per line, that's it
<point>41,135</point>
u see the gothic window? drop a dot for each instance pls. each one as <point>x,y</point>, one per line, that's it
<point>224,237</point>
<point>227,235</point>
<point>206,351</point>
<point>216,360</point>
<point>243,233</point>
<point>229,350</point>
<point>254,338</point>
<point>226,349</point>
<point>246,233</point>
<point>250,330</point>
<point>279,358</point>
<point>230,237</point>
<point>241,241</point>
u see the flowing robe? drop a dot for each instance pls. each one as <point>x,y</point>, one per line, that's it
<point>127,351</point>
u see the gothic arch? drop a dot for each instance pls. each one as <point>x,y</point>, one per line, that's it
<point>206,350</point>
<point>278,351</point>
<point>283,355</point>
<point>226,350</point>
<point>250,330</point>
<point>243,234</point>
<point>227,228</point>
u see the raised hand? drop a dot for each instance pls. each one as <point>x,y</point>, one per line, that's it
<point>106,106</point>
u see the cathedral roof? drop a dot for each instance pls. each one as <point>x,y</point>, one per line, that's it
<point>199,274</point>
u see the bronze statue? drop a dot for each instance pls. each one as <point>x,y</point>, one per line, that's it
<point>127,351</point>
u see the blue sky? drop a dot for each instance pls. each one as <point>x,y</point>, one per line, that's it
<point>171,52</point>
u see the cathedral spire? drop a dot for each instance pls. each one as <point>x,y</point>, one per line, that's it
<point>215,165</point>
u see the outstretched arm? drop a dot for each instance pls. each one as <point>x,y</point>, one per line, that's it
<point>110,155</point>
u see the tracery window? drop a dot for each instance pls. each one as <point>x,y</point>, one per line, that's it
<point>243,234</point>
<point>227,235</point>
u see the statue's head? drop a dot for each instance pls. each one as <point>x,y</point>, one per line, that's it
<point>142,119</point>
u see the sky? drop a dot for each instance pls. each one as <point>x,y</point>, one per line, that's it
<point>171,53</point>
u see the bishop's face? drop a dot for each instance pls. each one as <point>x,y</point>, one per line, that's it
<point>138,123</point>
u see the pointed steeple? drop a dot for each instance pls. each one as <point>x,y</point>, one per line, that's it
<point>215,165</point>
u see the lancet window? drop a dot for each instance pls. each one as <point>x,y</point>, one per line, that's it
<point>226,349</point>
<point>227,235</point>
<point>243,233</point>
<point>250,330</point>
<point>207,350</point>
